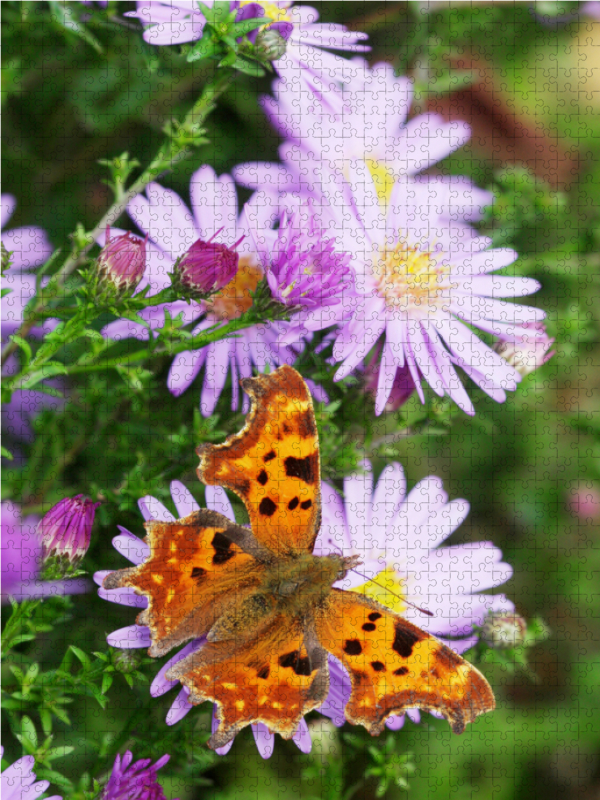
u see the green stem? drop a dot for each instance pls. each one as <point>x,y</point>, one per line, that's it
<point>170,154</point>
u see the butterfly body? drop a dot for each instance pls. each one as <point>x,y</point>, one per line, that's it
<point>266,603</point>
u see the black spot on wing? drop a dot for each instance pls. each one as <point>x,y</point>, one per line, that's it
<point>404,640</point>
<point>306,505</point>
<point>303,468</point>
<point>222,548</point>
<point>374,616</point>
<point>401,671</point>
<point>198,573</point>
<point>378,666</point>
<point>267,507</point>
<point>300,664</point>
<point>263,672</point>
<point>262,477</point>
<point>286,429</point>
<point>293,503</point>
<point>306,424</point>
<point>352,647</point>
<point>368,626</point>
<point>269,457</point>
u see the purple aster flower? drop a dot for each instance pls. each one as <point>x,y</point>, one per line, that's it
<point>421,274</point>
<point>136,781</point>
<point>66,529</point>
<point>207,267</point>
<point>18,782</point>
<point>133,636</point>
<point>527,351</point>
<point>22,560</point>
<point>172,229</point>
<point>366,118</point>
<point>399,538</point>
<point>30,248</point>
<point>122,261</point>
<point>168,23</point>
<point>29,245</point>
<point>302,266</point>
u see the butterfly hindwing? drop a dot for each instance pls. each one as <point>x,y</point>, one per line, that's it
<point>395,666</point>
<point>273,463</point>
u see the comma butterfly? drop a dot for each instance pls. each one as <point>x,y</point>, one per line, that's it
<point>266,604</point>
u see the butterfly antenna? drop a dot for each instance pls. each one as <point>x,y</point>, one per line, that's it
<point>402,599</point>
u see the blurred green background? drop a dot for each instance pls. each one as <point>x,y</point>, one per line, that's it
<point>527,77</point>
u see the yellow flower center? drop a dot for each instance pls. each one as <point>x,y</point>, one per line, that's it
<point>383,178</point>
<point>410,277</point>
<point>270,10</point>
<point>388,590</point>
<point>234,299</point>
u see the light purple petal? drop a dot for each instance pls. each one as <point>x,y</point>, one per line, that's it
<point>133,636</point>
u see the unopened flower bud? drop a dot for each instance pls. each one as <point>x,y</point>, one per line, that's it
<point>122,262</point>
<point>503,630</point>
<point>126,661</point>
<point>66,529</point>
<point>270,44</point>
<point>527,352</point>
<point>206,267</point>
<point>403,385</point>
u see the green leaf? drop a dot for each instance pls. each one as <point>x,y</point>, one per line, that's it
<point>245,26</point>
<point>205,48</point>
<point>248,67</point>
<point>107,680</point>
<point>50,370</point>
<point>59,752</point>
<point>23,345</point>
<point>46,720</point>
<point>62,14</point>
<point>29,732</point>
<point>81,656</point>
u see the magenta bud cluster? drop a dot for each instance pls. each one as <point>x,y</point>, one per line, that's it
<point>66,529</point>
<point>207,266</point>
<point>122,261</point>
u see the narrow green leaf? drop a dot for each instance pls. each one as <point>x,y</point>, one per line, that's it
<point>23,345</point>
<point>107,680</point>
<point>6,454</point>
<point>248,67</point>
<point>205,48</point>
<point>245,26</point>
<point>28,731</point>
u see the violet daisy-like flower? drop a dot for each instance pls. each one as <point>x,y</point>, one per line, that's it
<point>168,23</point>
<point>302,266</point>
<point>172,228</point>
<point>399,538</point>
<point>134,636</point>
<point>423,276</point>
<point>365,117</point>
<point>137,781</point>
<point>30,248</point>
<point>22,560</point>
<point>65,530</point>
<point>18,782</point>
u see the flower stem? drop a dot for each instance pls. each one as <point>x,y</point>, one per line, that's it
<point>175,149</point>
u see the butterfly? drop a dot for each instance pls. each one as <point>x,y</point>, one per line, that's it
<point>267,605</point>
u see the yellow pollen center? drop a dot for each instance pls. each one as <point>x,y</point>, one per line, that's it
<point>388,590</point>
<point>234,299</point>
<point>409,277</point>
<point>270,10</point>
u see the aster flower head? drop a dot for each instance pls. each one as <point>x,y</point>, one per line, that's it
<point>137,781</point>
<point>422,277</point>
<point>528,350</point>
<point>65,530</point>
<point>207,266</point>
<point>172,228</point>
<point>303,267</point>
<point>137,636</point>
<point>359,114</point>
<point>306,40</point>
<point>122,262</point>
<point>22,560</point>
<point>503,630</point>
<point>18,782</point>
<point>399,537</point>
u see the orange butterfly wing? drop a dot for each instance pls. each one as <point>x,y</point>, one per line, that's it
<point>195,570</point>
<point>393,665</point>
<point>272,464</point>
<point>271,678</point>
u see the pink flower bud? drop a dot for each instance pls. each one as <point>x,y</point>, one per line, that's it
<point>207,266</point>
<point>527,352</point>
<point>66,529</point>
<point>402,387</point>
<point>122,262</point>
